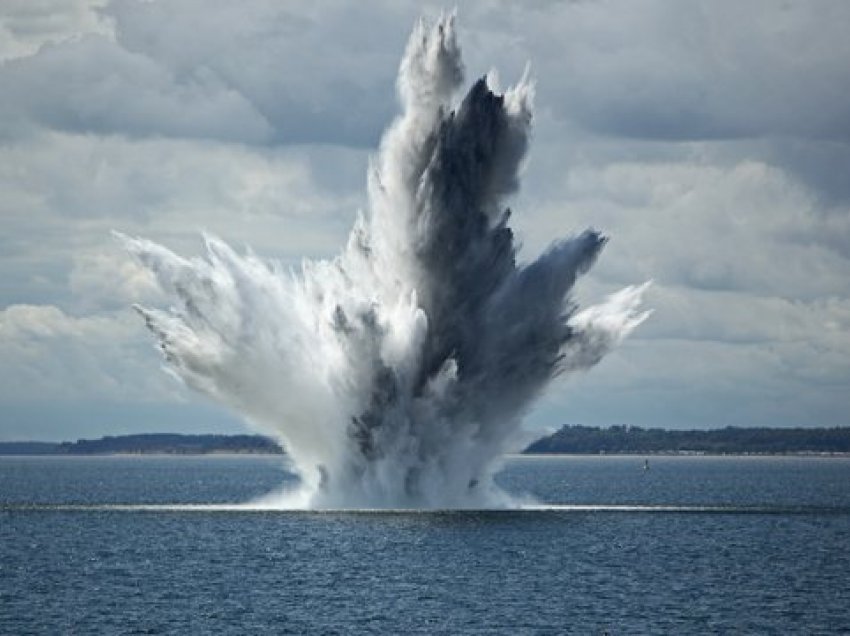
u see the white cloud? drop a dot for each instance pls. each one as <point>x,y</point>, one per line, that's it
<point>47,355</point>
<point>27,25</point>
<point>63,194</point>
<point>693,384</point>
<point>747,227</point>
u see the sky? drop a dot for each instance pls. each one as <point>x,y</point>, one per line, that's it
<point>709,140</point>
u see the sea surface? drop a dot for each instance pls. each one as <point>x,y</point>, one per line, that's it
<point>694,545</point>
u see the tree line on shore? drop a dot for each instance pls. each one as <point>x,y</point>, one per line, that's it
<point>148,443</point>
<point>569,439</point>
<point>633,439</point>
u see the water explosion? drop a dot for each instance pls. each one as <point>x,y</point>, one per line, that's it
<point>397,374</point>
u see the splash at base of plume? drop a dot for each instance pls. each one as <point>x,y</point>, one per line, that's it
<point>397,374</point>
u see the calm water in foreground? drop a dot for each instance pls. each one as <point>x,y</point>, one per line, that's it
<point>725,545</point>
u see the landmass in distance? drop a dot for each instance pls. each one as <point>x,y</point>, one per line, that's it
<point>582,440</point>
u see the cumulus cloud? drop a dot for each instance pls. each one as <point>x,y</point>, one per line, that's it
<point>671,70</point>
<point>63,194</point>
<point>653,70</point>
<point>27,25</point>
<point>94,85</point>
<point>745,227</point>
<point>256,73</point>
<point>47,354</point>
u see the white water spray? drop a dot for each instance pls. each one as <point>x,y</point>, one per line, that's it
<point>397,374</point>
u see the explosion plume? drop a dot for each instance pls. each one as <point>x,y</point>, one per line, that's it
<point>398,373</point>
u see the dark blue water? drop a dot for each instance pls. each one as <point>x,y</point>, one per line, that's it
<point>770,555</point>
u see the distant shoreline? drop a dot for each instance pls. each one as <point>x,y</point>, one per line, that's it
<point>569,440</point>
<point>149,444</point>
<point>222,454</point>
<point>615,440</point>
<point>650,454</point>
<point>522,455</point>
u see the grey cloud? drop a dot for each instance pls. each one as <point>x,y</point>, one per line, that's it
<point>92,85</point>
<point>254,72</point>
<point>263,72</point>
<point>822,164</point>
<point>317,73</point>
<point>683,71</point>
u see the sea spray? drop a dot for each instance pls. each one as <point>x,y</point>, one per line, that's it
<point>398,373</point>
